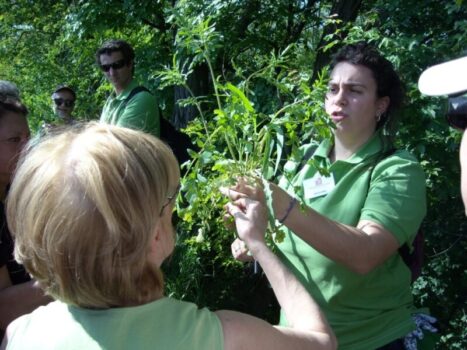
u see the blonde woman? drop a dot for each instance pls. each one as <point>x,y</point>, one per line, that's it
<point>91,212</point>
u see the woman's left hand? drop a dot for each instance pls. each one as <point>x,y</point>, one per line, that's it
<point>250,218</point>
<point>240,251</point>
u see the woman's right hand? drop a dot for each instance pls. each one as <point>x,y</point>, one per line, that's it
<point>245,189</point>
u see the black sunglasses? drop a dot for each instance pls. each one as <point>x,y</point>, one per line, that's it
<point>116,65</point>
<point>61,101</point>
<point>171,198</point>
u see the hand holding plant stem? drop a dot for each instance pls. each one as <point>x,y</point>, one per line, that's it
<point>259,190</point>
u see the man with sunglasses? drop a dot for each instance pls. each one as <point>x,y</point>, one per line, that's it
<point>136,111</point>
<point>63,99</point>
<point>450,78</point>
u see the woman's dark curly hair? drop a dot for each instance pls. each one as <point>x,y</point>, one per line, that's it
<point>387,80</point>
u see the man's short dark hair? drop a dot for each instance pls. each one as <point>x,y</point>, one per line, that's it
<point>116,46</point>
<point>67,88</point>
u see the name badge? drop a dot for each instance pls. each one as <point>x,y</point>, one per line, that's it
<point>318,185</point>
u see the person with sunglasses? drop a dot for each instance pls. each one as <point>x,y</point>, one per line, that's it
<point>63,99</point>
<point>450,79</point>
<point>116,59</point>
<point>91,211</point>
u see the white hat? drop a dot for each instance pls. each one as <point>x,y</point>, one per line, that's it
<point>445,78</point>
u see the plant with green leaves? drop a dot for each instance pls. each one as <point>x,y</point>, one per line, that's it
<point>236,138</point>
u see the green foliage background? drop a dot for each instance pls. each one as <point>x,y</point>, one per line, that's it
<point>251,70</point>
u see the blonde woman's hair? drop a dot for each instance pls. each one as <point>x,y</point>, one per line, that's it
<point>83,207</point>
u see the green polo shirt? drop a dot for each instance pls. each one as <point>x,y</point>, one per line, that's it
<point>140,113</point>
<point>365,311</point>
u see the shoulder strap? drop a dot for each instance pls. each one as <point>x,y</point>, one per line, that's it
<point>176,139</point>
<point>135,91</point>
<point>414,259</point>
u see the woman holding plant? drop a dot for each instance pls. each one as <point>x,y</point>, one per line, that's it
<point>343,231</point>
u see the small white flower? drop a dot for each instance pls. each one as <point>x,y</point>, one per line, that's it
<point>200,236</point>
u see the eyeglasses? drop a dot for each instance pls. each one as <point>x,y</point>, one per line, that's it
<point>171,198</point>
<point>61,101</point>
<point>116,65</point>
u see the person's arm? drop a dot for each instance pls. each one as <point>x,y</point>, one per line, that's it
<point>360,248</point>
<point>365,246</point>
<point>308,327</point>
<point>463,161</point>
<point>17,300</point>
<point>141,113</point>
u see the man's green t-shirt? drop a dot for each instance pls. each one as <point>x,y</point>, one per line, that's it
<point>365,311</point>
<point>139,113</point>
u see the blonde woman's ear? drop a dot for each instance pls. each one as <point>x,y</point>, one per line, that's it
<point>162,242</point>
<point>155,251</point>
